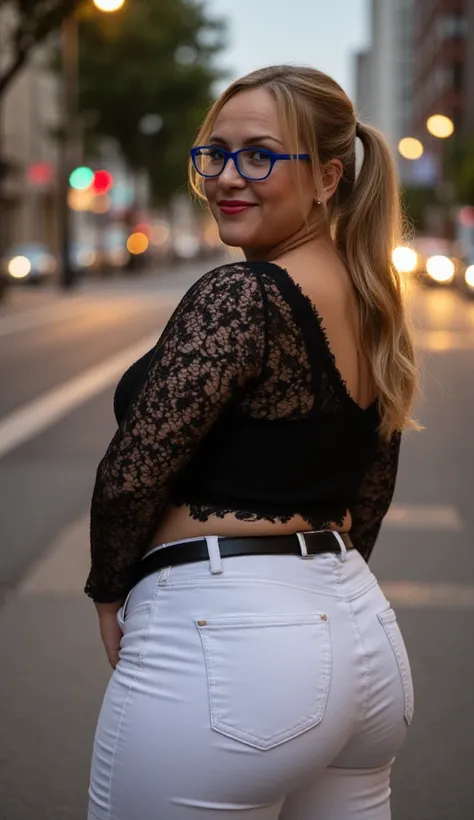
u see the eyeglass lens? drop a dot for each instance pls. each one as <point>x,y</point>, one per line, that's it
<point>253,163</point>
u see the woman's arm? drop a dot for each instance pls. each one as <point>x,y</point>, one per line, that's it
<point>375,495</point>
<point>212,347</point>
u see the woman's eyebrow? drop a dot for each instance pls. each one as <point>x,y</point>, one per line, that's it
<point>250,141</point>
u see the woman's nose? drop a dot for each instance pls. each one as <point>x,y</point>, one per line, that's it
<point>230,175</point>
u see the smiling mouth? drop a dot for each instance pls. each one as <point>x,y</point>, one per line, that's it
<point>233,207</point>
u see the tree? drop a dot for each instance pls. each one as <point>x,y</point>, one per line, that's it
<point>416,202</point>
<point>24,25</point>
<point>459,168</point>
<point>154,57</point>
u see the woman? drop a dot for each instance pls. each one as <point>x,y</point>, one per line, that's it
<point>261,673</point>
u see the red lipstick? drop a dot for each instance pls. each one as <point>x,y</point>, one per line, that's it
<point>232,207</point>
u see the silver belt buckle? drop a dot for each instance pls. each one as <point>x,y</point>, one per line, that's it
<point>303,547</point>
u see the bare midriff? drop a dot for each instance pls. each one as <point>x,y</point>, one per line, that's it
<point>177,524</point>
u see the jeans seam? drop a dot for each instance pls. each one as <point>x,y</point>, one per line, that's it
<point>363,589</point>
<point>366,662</point>
<point>245,581</point>
<point>127,699</point>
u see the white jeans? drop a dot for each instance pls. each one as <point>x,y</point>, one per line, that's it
<point>253,688</point>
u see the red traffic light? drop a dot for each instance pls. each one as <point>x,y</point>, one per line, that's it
<point>40,172</point>
<point>102,182</point>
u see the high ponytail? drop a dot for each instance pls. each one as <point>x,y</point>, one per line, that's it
<point>364,215</point>
<point>368,225</point>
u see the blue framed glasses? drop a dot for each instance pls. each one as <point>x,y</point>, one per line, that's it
<point>254,164</point>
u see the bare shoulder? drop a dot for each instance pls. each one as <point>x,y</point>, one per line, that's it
<point>325,280</point>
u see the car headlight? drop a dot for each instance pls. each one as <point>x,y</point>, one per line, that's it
<point>469,276</point>
<point>86,258</point>
<point>19,267</point>
<point>405,259</point>
<point>47,264</point>
<point>440,268</point>
<point>118,257</point>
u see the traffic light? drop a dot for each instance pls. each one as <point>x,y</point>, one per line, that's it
<point>81,178</point>
<point>102,182</point>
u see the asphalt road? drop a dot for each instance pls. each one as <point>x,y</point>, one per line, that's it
<point>59,359</point>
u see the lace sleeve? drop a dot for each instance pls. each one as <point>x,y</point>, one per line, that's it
<point>375,495</point>
<point>213,347</point>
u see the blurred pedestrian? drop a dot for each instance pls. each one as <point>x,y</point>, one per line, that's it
<point>259,671</point>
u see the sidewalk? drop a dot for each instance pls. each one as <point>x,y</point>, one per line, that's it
<point>53,676</point>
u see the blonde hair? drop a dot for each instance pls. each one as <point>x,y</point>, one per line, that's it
<point>364,213</point>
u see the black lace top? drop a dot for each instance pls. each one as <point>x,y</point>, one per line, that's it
<point>239,408</point>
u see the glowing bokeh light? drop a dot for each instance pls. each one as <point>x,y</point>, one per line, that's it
<point>137,243</point>
<point>19,267</point>
<point>440,268</point>
<point>440,126</point>
<point>410,148</point>
<point>469,276</point>
<point>405,259</point>
<point>102,182</point>
<point>81,178</point>
<point>109,5</point>
<point>80,200</point>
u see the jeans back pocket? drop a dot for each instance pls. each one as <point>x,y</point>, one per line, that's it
<point>388,619</point>
<point>268,675</point>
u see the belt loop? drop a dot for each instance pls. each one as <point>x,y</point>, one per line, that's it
<point>215,559</point>
<point>303,547</point>
<point>342,545</point>
<point>164,575</point>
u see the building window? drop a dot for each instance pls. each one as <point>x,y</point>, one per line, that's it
<point>451,25</point>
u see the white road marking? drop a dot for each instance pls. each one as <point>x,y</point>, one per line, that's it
<point>40,413</point>
<point>429,594</point>
<point>444,341</point>
<point>424,517</point>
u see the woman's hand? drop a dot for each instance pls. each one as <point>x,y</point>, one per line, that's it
<point>110,631</point>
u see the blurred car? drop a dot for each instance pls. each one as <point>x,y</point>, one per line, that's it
<point>84,257</point>
<point>431,260</point>
<point>4,282</point>
<point>30,262</point>
<point>465,283</point>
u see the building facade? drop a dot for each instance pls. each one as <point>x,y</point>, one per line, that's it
<point>385,73</point>
<point>29,151</point>
<point>441,79</point>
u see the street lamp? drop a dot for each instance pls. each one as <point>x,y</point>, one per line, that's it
<point>440,126</point>
<point>410,148</point>
<point>108,5</point>
<point>70,147</point>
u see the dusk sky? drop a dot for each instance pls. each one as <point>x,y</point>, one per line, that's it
<point>320,33</point>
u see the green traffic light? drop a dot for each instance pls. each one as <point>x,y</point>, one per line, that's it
<point>81,178</point>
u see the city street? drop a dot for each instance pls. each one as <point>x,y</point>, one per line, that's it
<point>60,358</point>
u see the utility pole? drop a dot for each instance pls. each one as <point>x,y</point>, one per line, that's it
<point>69,148</point>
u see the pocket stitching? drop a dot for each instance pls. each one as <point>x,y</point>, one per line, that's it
<point>386,618</point>
<point>297,728</point>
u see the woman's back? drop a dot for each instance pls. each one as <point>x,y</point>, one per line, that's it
<point>246,379</point>
<point>323,277</point>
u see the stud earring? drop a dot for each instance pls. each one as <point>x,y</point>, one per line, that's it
<point>318,202</point>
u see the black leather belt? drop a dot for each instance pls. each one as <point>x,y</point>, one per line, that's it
<point>187,552</point>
